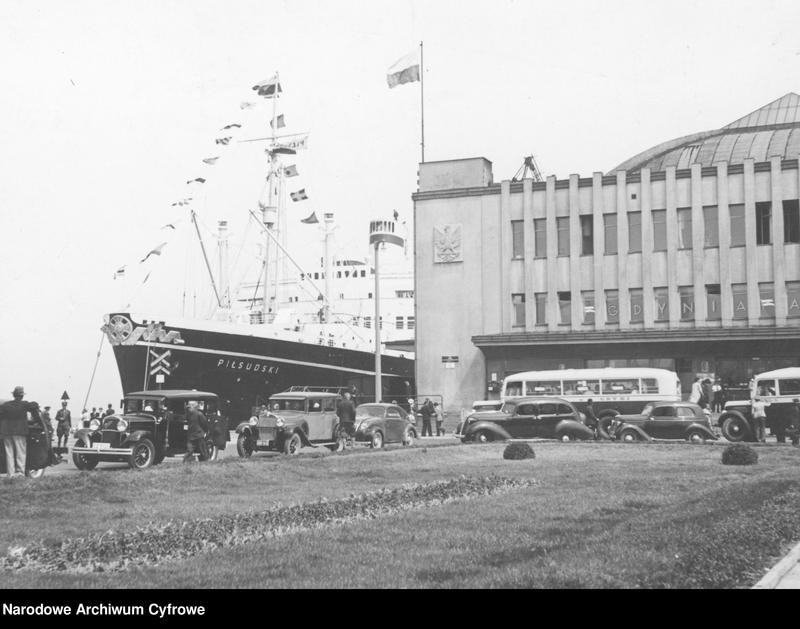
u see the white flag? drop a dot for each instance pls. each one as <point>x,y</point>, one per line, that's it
<point>404,70</point>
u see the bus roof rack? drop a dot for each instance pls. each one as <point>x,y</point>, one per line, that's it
<point>299,389</point>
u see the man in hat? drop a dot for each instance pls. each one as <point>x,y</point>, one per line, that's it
<point>109,411</point>
<point>63,423</point>
<point>14,430</point>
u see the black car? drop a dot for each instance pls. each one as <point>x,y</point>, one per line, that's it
<point>664,420</point>
<point>379,424</point>
<point>527,418</point>
<point>152,426</point>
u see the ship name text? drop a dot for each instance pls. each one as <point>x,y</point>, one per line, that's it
<point>245,365</point>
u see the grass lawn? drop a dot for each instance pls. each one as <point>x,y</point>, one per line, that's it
<point>601,515</point>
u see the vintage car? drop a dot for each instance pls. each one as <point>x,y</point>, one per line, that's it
<point>291,420</point>
<point>39,450</point>
<point>527,418</point>
<point>378,424</point>
<point>664,420</point>
<point>152,427</point>
<point>779,389</point>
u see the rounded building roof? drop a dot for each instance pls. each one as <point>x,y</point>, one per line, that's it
<point>772,130</point>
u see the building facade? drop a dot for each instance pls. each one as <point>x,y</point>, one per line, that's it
<point>685,257</point>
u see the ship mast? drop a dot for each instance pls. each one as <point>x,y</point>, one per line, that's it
<point>270,211</point>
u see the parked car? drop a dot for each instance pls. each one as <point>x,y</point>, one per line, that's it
<point>379,424</point>
<point>152,427</point>
<point>40,453</point>
<point>527,418</point>
<point>479,406</point>
<point>289,421</point>
<point>664,420</point>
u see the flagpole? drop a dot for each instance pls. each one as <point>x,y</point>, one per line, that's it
<point>422,101</point>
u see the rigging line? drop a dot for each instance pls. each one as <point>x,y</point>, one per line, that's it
<point>276,137</point>
<point>292,260</point>
<point>205,257</point>
<point>258,285</point>
<point>94,371</point>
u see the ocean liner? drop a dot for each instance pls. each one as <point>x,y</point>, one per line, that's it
<point>292,326</point>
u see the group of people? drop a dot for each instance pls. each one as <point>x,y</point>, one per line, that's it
<point>428,410</point>
<point>709,395</point>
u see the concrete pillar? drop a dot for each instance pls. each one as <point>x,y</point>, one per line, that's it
<point>698,248</point>
<point>552,252</point>
<point>622,251</point>
<point>778,248</point>
<point>751,253</point>
<point>505,250</point>
<point>597,218</point>
<point>724,226</point>
<point>575,254</point>
<point>530,288</point>
<point>672,248</point>
<point>646,203</point>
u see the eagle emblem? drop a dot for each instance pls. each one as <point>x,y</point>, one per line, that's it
<point>118,329</point>
<point>447,243</point>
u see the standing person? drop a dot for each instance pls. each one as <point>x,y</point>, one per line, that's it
<point>716,399</point>
<point>48,421</point>
<point>63,423</point>
<point>591,418</point>
<point>794,422</point>
<point>437,413</point>
<point>697,391</point>
<point>427,411</point>
<point>93,414</point>
<point>760,417</point>
<point>109,410</point>
<point>346,412</point>
<point>14,431</point>
<point>197,426</point>
<point>85,418</point>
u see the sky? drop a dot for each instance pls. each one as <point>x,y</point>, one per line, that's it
<point>108,108</point>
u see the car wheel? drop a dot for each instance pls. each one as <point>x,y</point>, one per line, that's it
<point>734,429</point>
<point>629,436</point>
<point>143,455</point>
<point>244,445</point>
<point>212,451</point>
<point>35,473</point>
<point>482,436</point>
<point>408,438</point>
<point>567,437</point>
<point>377,440</point>
<point>292,445</point>
<point>695,436</point>
<point>604,426</point>
<point>81,461</point>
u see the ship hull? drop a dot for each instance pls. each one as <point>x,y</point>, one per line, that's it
<point>244,369</point>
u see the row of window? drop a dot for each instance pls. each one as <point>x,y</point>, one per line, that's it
<point>661,304</point>
<point>791,230</point>
<point>400,323</point>
<point>339,274</point>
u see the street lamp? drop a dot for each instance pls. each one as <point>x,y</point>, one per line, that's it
<point>380,232</point>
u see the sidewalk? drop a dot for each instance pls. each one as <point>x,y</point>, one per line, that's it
<point>784,575</point>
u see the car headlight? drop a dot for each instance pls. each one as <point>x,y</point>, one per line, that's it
<point>253,420</point>
<point>94,424</point>
<point>280,422</point>
<point>122,425</point>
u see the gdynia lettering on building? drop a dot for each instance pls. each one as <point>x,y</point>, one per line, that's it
<point>103,609</point>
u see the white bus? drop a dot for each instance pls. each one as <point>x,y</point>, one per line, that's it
<point>612,390</point>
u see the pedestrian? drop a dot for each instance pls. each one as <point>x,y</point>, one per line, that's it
<point>705,400</point>
<point>64,423</point>
<point>437,413</point>
<point>794,422</point>
<point>85,419</point>
<point>196,429</point>
<point>48,422</point>
<point>427,411</point>
<point>346,412</point>
<point>93,414</point>
<point>591,418</point>
<point>109,410</point>
<point>697,391</point>
<point>14,431</point>
<point>760,418</point>
<point>716,399</point>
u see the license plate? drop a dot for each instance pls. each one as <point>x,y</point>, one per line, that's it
<point>101,446</point>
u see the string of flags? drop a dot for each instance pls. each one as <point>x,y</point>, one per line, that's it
<point>279,122</point>
<point>156,251</point>
<point>182,202</point>
<point>268,88</point>
<point>300,195</point>
<point>310,220</point>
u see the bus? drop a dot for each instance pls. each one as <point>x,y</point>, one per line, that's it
<point>613,391</point>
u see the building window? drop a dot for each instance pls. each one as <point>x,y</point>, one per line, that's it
<point>367,322</point>
<point>564,307</point>
<point>410,323</point>
<point>404,294</point>
<point>610,233</point>
<point>518,239</point>
<point>562,225</point>
<point>739,301</point>
<point>763,222</point>
<point>711,226</point>
<point>737,225</point>
<point>637,305</point>
<point>659,230</point>
<point>363,274</point>
<point>684,228</point>
<point>661,296</point>
<point>398,323</point>
<point>369,295</point>
<point>518,301</point>
<point>766,293</point>
<point>791,221</point>
<point>634,232</point>
<point>540,237</point>
<point>612,306</point>
<point>541,308</point>
<point>588,306</point>
<point>713,307</point>
<point>587,234</point>
<point>793,300</point>
<point>686,294</point>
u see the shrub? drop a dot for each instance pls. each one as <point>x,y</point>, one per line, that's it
<point>518,451</point>
<point>739,454</point>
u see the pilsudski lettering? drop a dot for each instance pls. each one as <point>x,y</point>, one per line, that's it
<point>247,365</point>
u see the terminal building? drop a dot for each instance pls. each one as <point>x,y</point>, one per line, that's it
<point>684,257</point>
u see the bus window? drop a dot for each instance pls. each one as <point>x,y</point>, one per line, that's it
<point>550,387</point>
<point>514,389</point>
<point>649,385</point>
<point>621,386</point>
<point>789,386</point>
<point>765,387</point>
<point>581,387</point>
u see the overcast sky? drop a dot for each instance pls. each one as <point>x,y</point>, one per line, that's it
<point>108,108</point>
